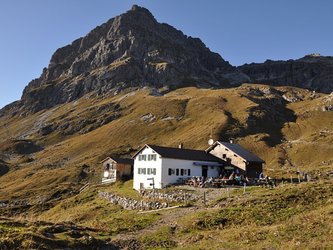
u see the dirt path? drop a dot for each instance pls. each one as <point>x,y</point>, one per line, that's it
<point>169,217</point>
<point>173,216</point>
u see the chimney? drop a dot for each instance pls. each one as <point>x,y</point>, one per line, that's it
<point>181,146</point>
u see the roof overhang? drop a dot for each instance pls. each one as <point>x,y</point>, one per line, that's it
<point>107,158</point>
<point>219,143</point>
<point>200,163</point>
<point>212,146</point>
<point>142,148</point>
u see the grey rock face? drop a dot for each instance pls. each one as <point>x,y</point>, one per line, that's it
<point>130,50</point>
<point>313,72</point>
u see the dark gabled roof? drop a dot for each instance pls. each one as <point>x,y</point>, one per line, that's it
<point>120,160</point>
<point>239,150</point>
<point>123,160</point>
<point>184,154</point>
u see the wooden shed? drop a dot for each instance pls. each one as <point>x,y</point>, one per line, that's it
<point>115,169</point>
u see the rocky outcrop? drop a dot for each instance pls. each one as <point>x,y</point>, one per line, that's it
<point>130,50</point>
<point>312,72</point>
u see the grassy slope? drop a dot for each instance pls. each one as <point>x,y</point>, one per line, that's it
<point>195,113</point>
<point>305,139</point>
<point>288,217</point>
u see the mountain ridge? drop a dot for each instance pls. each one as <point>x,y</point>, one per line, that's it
<point>313,72</point>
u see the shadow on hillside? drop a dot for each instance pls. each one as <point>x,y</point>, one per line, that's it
<point>268,117</point>
<point>22,147</point>
<point>4,169</point>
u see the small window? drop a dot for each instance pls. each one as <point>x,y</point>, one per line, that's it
<point>189,172</point>
<point>177,171</point>
<point>182,172</point>
<point>107,166</point>
<point>226,149</point>
<point>235,155</point>
<point>141,171</point>
<point>171,171</point>
<point>144,157</point>
<point>224,156</point>
<point>151,171</point>
<point>152,157</point>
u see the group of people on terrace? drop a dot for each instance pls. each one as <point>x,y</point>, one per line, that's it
<point>225,178</point>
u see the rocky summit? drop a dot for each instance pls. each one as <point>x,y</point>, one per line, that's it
<point>135,50</point>
<point>130,50</point>
<point>314,72</point>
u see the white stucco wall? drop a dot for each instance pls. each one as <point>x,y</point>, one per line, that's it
<point>142,178</point>
<point>180,164</point>
<point>183,164</point>
<point>112,176</point>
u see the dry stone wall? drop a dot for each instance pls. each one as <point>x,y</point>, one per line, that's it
<point>152,199</point>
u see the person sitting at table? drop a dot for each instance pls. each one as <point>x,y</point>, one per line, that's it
<point>194,181</point>
<point>208,182</point>
<point>202,181</point>
<point>238,179</point>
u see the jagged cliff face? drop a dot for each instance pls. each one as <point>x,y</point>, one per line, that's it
<point>130,50</point>
<point>134,50</point>
<point>313,72</point>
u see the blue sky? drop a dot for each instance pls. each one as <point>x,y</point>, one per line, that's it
<point>241,31</point>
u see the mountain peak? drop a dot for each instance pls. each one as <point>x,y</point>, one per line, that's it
<point>130,50</point>
<point>137,8</point>
<point>139,12</point>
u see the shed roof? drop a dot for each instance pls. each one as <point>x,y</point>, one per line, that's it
<point>181,153</point>
<point>129,161</point>
<point>120,160</point>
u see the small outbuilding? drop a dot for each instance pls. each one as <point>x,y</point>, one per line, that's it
<point>235,156</point>
<point>115,169</point>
